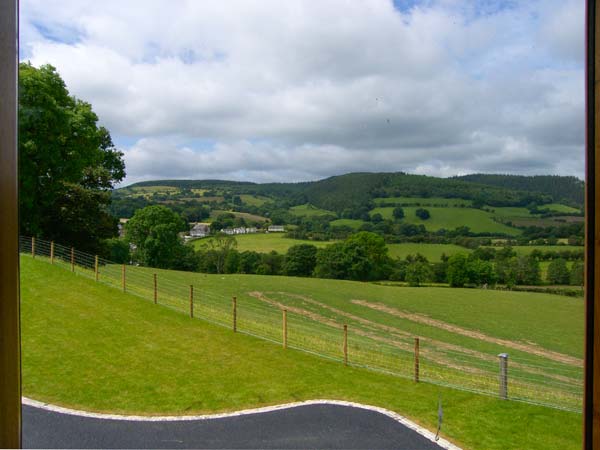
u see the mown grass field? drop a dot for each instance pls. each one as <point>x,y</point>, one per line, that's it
<point>265,242</point>
<point>89,346</point>
<point>450,218</point>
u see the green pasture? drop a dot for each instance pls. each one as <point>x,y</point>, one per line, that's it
<point>309,210</point>
<point>254,200</point>
<point>450,218</point>
<point>557,207</point>
<point>265,242</point>
<point>523,250</point>
<point>424,201</point>
<point>506,212</point>
<point>89,346</point>
<point>433,252</point>
<point>246,216</point>
<point>352,223</point>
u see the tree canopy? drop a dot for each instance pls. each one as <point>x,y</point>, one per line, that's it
<point>68,164</point>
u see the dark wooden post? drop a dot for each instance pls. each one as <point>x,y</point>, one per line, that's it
<point>72,259</point>
<point>10,355</point>
<point>416,359</point>
<point>33,247</point>
<point>284,328</point>
<point>345,344</point>
<point>51,252</point>
<point>96,267</point>
<point>591,395</point>
<point>234,313</point>
<point>191,301</point>
<point>123,280</point>
<point>155,290</point>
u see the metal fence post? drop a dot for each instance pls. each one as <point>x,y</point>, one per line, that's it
<point>503,358</point>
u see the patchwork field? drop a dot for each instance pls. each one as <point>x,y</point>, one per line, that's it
<point>76,330</point>
<point>309,210</point>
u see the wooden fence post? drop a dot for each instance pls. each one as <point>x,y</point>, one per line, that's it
<point>155,290</point>
<point>345,345</point>
<point>72,259</point>
<point>416,360</point>
<point>96,267</point>
<point>503,387</point>
<point>191,301</point>
<point>123,278</point>
<point>51,252</point>
<point>234,314</point>
<point>33,247</point>
<point>284,328</point>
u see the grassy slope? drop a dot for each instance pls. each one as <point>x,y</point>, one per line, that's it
<point>432,252</point>
<point>449,218</point>
<point>88,346</point>
<point>309,210</point>
<point>424,201</point>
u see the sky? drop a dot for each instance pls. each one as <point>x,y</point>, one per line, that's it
<point>271,90</point>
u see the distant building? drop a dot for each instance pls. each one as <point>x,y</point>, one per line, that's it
<point>121,226</point>
<point>251,230</point>
<point>276,229</point>
<point>200,230</point>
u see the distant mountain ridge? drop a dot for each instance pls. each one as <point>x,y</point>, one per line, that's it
<point>352,190</point>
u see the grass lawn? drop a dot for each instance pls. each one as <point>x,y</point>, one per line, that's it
<point>309,210</point>
<point>88,346</point>
<point>432,252</point>
<point>266,242</point>
<point>506,212</point>
<point>450,218</point>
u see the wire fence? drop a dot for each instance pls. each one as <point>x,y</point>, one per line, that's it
<point>298,322</point>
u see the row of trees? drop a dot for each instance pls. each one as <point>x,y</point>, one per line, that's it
<point>154,232</point>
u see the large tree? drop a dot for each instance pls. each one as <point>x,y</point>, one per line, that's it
<point>68,164</point>
<point>154,230</point>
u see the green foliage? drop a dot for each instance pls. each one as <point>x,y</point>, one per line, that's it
<point>418,272</point>
<point>154,230</point>
<point>215,252</point>
<point>558,273</point>
<point>398,213</point>
<point>68,164</point>
<point>422,214</point>
<point>117,250</point>
<point>362,256</point>
<point>300,260</point>
<point>576,277</point>
<point>458,270</point>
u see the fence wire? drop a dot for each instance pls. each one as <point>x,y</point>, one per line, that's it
<point>313,329</point>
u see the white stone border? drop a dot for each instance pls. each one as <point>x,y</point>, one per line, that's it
<point>397,417</point>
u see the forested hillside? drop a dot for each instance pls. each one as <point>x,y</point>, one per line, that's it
<point>568,190</point>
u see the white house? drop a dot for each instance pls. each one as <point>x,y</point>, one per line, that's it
<point>276,229</point>
<point>200,230</point>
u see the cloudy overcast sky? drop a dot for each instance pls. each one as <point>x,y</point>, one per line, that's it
<point>299,90</point>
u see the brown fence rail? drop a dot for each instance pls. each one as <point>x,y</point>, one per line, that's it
<point>523,377</point>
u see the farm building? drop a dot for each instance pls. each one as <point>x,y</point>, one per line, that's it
<point>276,229</point>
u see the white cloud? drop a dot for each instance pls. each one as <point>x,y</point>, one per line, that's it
<point>302,90</point>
